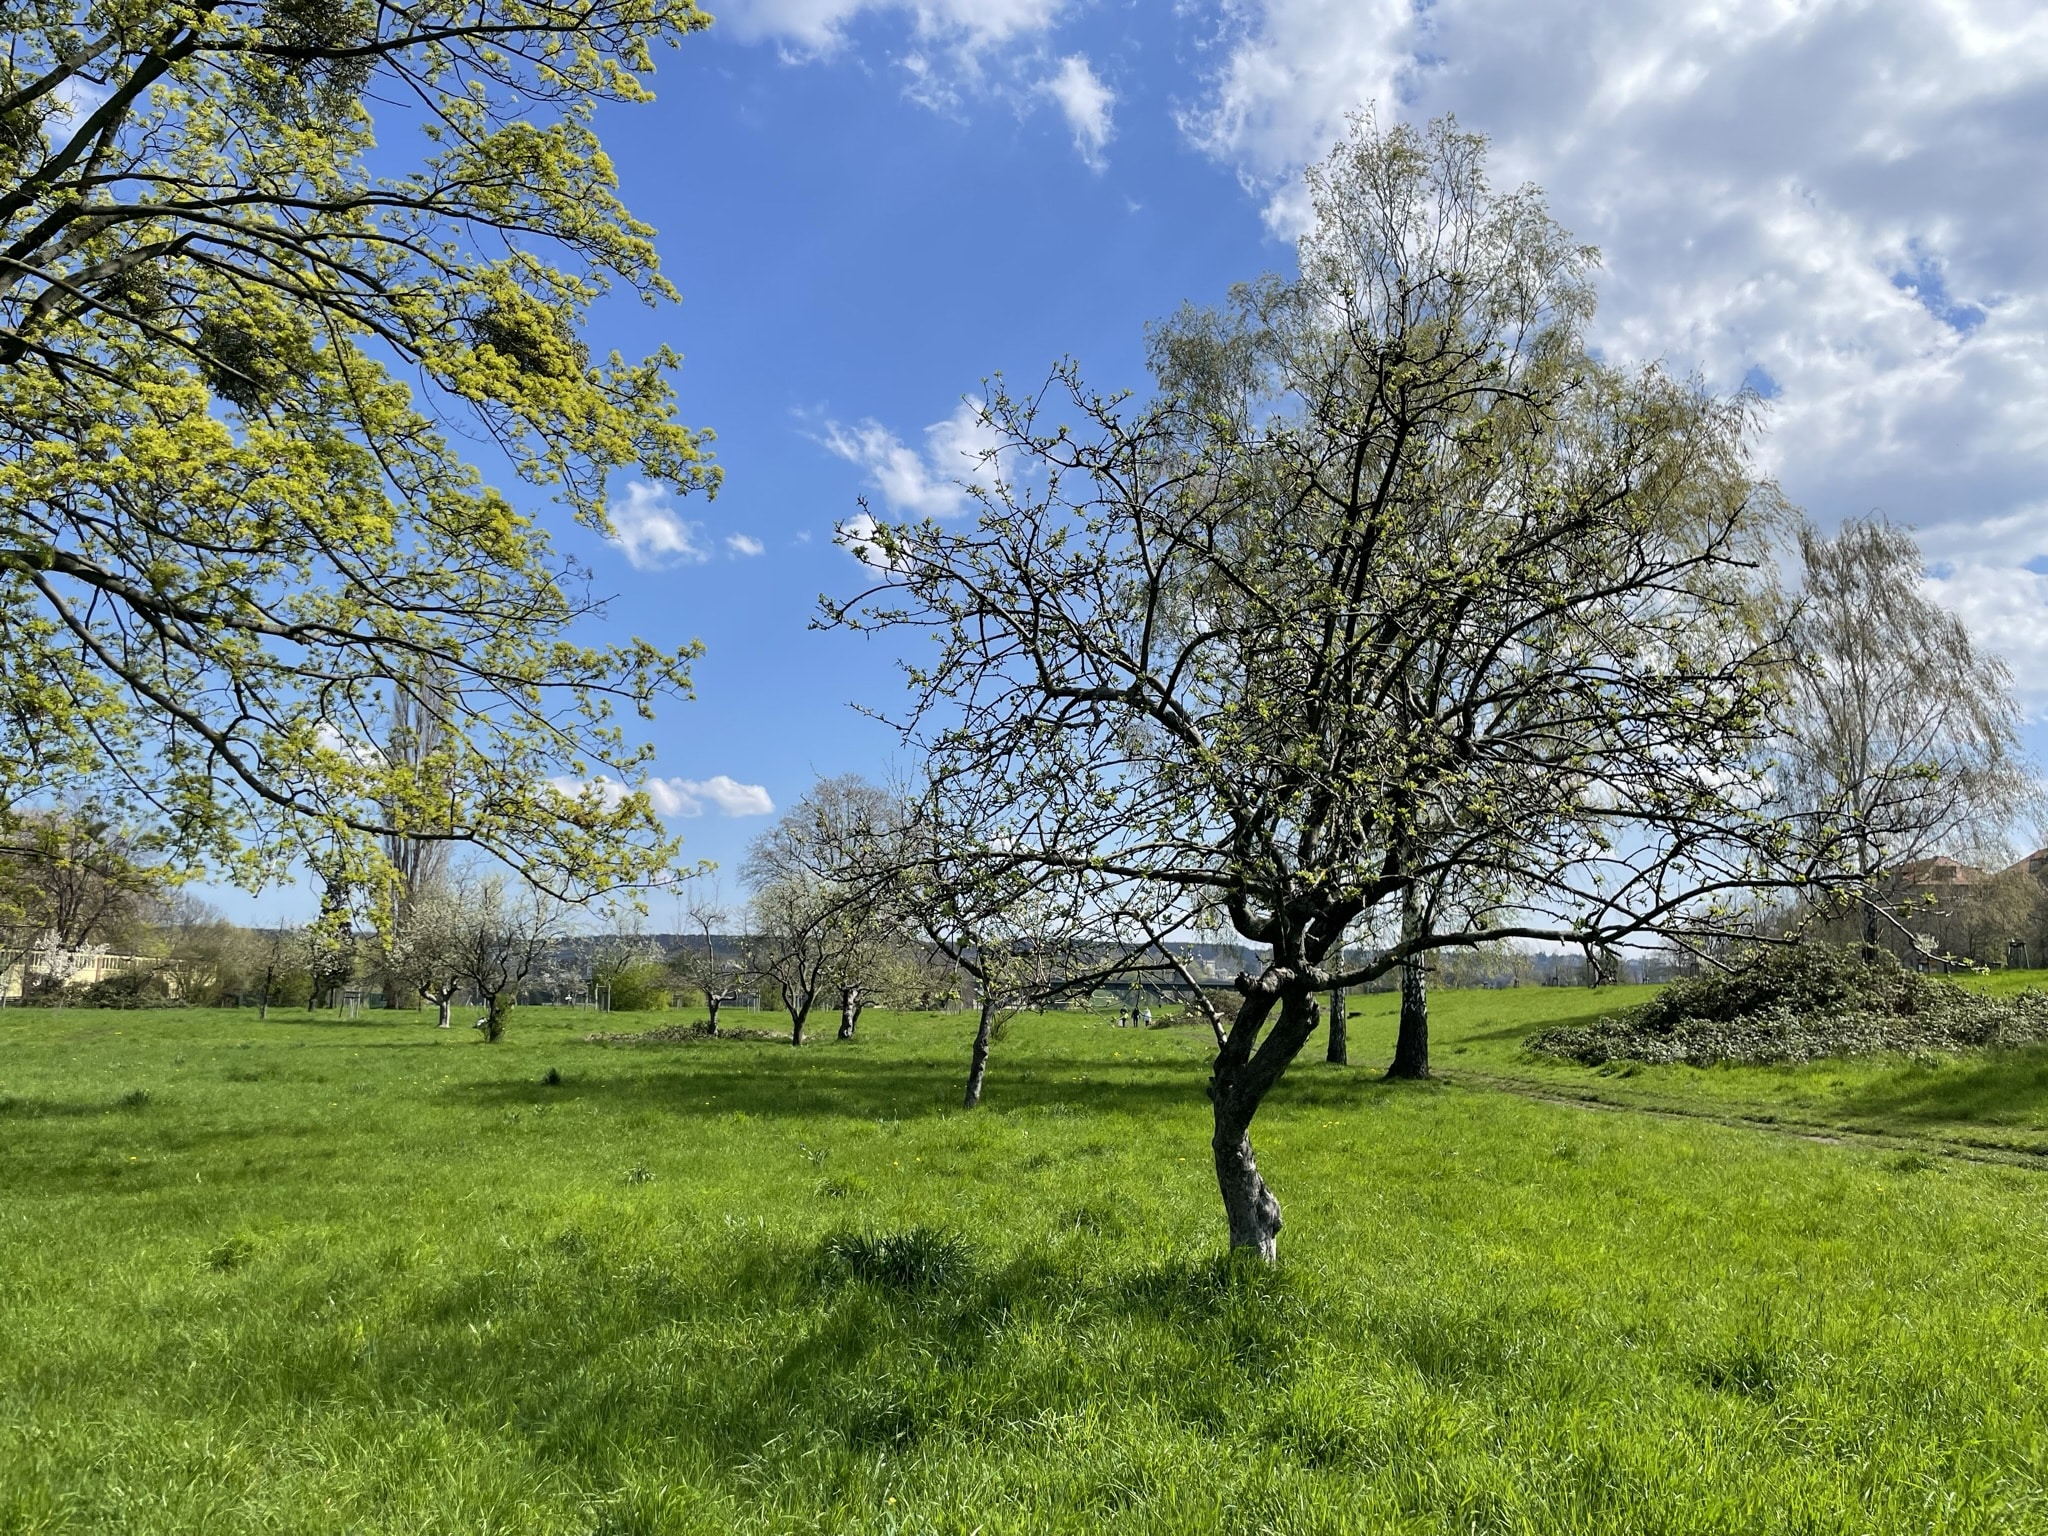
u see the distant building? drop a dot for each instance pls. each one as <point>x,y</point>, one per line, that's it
<point>2035,864</point>
<point>1943,873</point>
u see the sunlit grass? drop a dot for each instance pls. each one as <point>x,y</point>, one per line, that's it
<point>315,1276</point>
<point>1984,1101</point>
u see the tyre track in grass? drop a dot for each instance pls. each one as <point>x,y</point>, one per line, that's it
<point>2003,1154</point>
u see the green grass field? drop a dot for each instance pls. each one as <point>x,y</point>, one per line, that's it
<point>322,1276</point>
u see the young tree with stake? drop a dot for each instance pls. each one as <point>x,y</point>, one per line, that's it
<point>696,965</point>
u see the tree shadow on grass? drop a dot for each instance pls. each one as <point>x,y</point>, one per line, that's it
<point>777,1082</point>
<point>847,1086</point>
<point>2000,1088</point>
<point>797,1366</point>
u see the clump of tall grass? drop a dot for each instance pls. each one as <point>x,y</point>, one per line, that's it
<point>921,1259</point>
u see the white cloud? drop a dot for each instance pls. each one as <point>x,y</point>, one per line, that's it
<point>678,797</point>
<point>743,544</point>
<point>362,752</point>
<point>609,791</point>
<point>959,451</point>
<point>819,26</point>
<point>1086,101</point>
<point>688,797</point>
<point>647,528</point>
<point>2007,611</point>
<point>946,52</point>
<point>1834,199</point>
<point>80,98</point>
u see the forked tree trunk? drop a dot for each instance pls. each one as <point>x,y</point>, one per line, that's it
<point>799,1010</point>
<point>444,1005</point>
<point>1339,1054</point>
<point>849,1011</point>
<point>1239,1084</point>
<point>494,1020</point>
<point>977,1068</point>
<point>711,1001</point>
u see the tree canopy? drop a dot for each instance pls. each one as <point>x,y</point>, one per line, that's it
<point>267,269</point>
<point>1901,735</point>
<point>1393,582</point>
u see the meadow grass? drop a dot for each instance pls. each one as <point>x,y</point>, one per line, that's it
<point>323,1276</point>
<point>1991,1103</point>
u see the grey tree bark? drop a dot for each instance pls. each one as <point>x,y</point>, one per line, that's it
<point>1248,1206</point>
<point>1339,1054</point>
<point>1238,1085</point>
<point>850,1005</point>
<point>977,1068</point>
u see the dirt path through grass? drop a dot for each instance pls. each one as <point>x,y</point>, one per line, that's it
<point>1761,1119</point>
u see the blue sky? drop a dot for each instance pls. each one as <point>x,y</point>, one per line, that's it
<point>869,208</point>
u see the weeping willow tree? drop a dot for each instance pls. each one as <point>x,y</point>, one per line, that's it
<point>1902,735</point>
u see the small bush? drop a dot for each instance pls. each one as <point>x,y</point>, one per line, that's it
<point>129,989</point>
<point>922,1259</point>
<point>289,989</point>
<point>641,987</point>
<point>134,1098</point>
<point>1802,1003</point>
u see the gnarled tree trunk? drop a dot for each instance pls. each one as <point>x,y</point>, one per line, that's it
<point>849,1011</point>
<point>711,1002</point>
<point>494,1019</point>
<point>984,1031</point>
<point>1236,1088</point>
<point>1248,1206</point>
<point>1339,1054</point>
